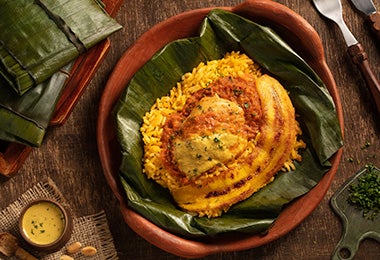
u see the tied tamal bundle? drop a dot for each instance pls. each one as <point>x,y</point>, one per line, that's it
<point>24,119</point>
<point>38,42</point>
<point>38,37</point>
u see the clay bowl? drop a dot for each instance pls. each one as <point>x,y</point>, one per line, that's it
<point>300,36</point>
<point>39,207</point>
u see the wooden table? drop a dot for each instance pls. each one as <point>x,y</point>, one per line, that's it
<point>69,154</point>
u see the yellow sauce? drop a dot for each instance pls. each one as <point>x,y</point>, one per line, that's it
<point>201,148</point>
<point>43,223</point>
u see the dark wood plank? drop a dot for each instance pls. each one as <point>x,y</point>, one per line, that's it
<point>69,153</point>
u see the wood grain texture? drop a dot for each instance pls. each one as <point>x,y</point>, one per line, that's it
<point>69,154</point>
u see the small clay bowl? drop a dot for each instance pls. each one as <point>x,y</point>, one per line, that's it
<point>45,225</point>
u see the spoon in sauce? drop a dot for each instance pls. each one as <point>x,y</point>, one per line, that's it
<point>9,247</point>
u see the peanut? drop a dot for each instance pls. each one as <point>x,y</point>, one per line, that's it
<point>66,257</point>
<point>89,251</point>
<point>74,247</point>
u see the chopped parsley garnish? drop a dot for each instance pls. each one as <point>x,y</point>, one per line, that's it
<point>237,92</point>
<point>366,145</point>
<point>365,194</point>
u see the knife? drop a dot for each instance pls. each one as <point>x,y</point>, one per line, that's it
<point>369,9</point>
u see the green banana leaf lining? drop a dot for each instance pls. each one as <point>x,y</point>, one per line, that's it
<point>222,32</point>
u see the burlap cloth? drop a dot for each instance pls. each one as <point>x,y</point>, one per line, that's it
<point>90,230</point>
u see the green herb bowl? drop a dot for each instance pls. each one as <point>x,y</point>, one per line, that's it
<point>300,35</point>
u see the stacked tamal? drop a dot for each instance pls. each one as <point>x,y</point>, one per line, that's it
<point>39,40</point>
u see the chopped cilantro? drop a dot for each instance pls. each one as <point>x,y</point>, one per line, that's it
<point>365,195</point>
<point>237,92</point>
<point>366,145</point>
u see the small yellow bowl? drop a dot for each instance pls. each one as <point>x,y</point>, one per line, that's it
<point>45,225</point>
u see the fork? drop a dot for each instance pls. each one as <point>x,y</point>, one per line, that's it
<point>332,9</point>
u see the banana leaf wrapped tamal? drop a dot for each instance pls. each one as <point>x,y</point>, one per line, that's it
<point>223,32</point>
<point>24,119</point>
<point>38,42</point>
<point>37,38</point>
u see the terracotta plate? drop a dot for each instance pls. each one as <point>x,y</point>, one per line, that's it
<point>303,39</point>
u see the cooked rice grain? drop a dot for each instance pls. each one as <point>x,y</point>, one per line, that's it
<point>232,64</point>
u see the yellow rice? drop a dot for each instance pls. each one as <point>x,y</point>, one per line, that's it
<point>232,64</point>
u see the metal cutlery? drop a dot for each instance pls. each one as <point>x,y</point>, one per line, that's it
<point>369,9</point>
<point>332,9</point>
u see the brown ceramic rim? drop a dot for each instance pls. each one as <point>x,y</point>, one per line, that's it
<point>300,35</point>
<point>63,238</point>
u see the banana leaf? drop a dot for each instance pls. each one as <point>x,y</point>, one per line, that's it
<point>24,119</point>
<point>37,38</point>
<point>220,32</point>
